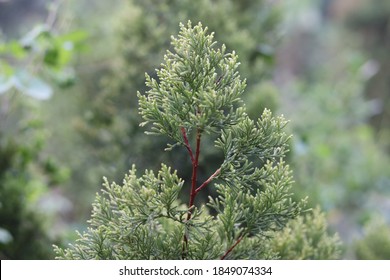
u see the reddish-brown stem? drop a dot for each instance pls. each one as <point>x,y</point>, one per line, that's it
<point>195,163</point>
<point>205,183</point>
<point>187,144</point>
<point>233,246</point>
<point>194,190</point>
<point>184,247</point>
<point>194,173</point>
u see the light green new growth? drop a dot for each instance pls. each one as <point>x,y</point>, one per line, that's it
<point>305,238</point>
<point>197,94</point>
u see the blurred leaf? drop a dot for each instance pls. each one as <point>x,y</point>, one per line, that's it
<point>29,40</point>
<point>266,50</point>
<point>5,84</point>
<point>6,69</point>
<point>32,86</point>
<point>76,37</point>
<point>13,48</point>
<point>69,44</point>
<point>3,47</point>
<point>62,48</point>
<point>375,245</point>
<point>51,57</point>
<point>5,236</point>
<point>65,54</point>
<point>323,150</point>
<point>64,78</point>
<point>57,173</point>
<point>35,189</point>
<point>17,49</point>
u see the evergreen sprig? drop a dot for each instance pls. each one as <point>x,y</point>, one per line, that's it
<point>197,92</point>
<point>197,87</point>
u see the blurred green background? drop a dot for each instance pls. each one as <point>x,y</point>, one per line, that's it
<point>70,71</point>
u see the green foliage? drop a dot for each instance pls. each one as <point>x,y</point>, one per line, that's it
<point>335,153</point>
<point>197,93</point>
<point>198,88</point>
<point>332,142</point>
<point>24,177</point>
<point>261,96</point>
<point>137,37</point>
<point>370,22</point>
<point>306,238</point>
<point>110,126</point>
<point>39,53</point>
<point>26,171</point>
<point>375,245</point>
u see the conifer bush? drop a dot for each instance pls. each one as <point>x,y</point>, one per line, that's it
<point>109,121</point>
<point>195,97</point>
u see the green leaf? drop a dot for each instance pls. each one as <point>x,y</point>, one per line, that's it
<point>32,86</point>
<point>5,84</point>
<point>51,57</point>
<point>13,48</point>
<point>64,78</point>
<point>5,236</point>
<point>6,69</point>
<point>29,40</point>
<point>75,37</point>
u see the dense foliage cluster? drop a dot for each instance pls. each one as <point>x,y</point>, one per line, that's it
<point>110,121</point>
<point>197,94</point>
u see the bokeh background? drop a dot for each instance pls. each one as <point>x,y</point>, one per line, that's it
<point>70,71</point>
